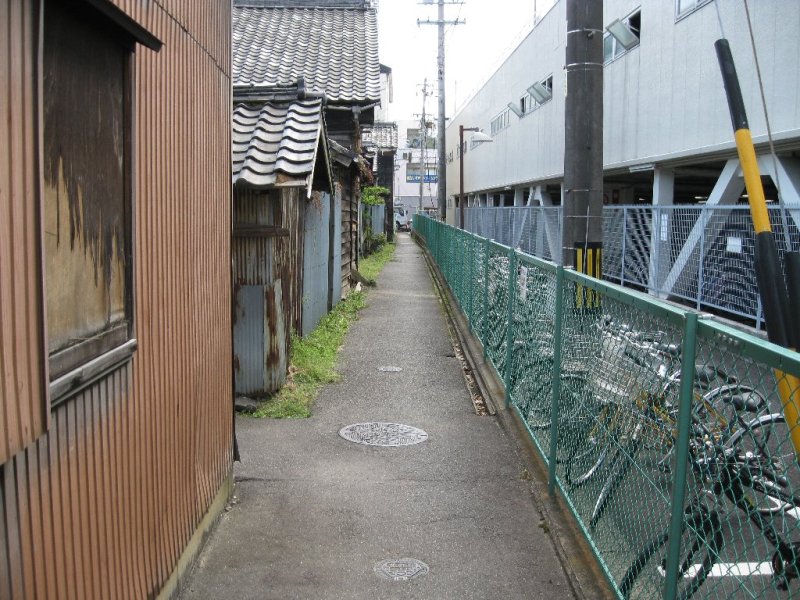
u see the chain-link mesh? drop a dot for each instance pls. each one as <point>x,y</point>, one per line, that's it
<point>536,230</point>
<point>532,354</point>
<point>701,255</point>
<point>630,436</point>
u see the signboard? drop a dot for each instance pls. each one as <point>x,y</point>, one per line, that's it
<point>415,178</point>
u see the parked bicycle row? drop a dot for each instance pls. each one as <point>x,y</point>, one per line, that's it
<point>663,430</point>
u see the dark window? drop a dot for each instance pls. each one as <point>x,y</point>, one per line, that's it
<point>87,186</point>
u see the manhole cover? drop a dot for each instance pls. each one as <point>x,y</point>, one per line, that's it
<point>390,369</point>
<point>383,434</point>
<point>401,569</point>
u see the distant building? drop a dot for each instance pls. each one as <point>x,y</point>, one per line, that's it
<point>668,144</point>
<point>410,168</point>
<point>667,133</point>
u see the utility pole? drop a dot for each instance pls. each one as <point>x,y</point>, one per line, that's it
<point>442,155</point>
<point>583,151</point>
<point>423,141</point>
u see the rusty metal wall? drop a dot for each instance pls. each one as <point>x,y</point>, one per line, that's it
<point>103,504</point>
<point>316,231</point>
<point>344,185</point>
<point>22,372</point>
<point>268,285</point>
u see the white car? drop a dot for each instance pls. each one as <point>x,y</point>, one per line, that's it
<point>402,219</point>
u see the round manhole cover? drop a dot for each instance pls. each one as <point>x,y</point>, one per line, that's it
<point>401,569</point>
<point>390,369</point>
<point>383,434</point>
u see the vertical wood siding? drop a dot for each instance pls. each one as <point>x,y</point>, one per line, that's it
<point>22,372</point>
<point>103,504</point>
<point>273,262</point>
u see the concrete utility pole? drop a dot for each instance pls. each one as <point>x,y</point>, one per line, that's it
<point>423,141</point>
<point>583,151</point>
<point>442,155</point>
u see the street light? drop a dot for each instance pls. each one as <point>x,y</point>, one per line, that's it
<point>478,138</point>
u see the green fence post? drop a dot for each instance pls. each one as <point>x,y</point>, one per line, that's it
<point>485,321</point>
<point>471,286</point>
<point>556,381</point>
<point>681,454</point>
<point>512,289</point>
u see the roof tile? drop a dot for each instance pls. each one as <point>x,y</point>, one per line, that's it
<point>273,137</point>
<point>334,49</point>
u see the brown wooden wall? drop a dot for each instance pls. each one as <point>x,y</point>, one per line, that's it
<point>263,260</point>
<point>103,504</point>
<point>22,372</point>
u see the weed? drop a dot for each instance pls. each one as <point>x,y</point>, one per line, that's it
<point>313,362</point>
<point>371,266</point>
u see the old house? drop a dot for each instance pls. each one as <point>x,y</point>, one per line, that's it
<point>380,143</point>
<point>286,229</point>
<point>115,329</point>
<point>333,46</point>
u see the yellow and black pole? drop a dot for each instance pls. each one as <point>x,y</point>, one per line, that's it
<point>782,327</point>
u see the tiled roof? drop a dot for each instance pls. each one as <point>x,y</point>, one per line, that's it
<point>380,135</point>
<point>275,137</point>
<point>334,49</point>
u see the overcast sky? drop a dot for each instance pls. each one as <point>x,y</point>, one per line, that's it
<point>473,50</point>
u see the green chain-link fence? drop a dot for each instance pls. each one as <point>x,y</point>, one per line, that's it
<point>663,429</point>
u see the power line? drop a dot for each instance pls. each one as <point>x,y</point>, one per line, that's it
<point>440,22</point>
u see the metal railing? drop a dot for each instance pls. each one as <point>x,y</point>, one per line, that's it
<point>662,429</point>
<point>700,255</point>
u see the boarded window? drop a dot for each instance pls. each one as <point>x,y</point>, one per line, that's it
<point>86,182</point>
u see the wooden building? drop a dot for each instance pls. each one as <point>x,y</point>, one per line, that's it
<point>333,46</point>
<point>115,331</point>
<point>285,229</point>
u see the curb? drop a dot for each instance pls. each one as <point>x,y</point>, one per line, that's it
<point>586,579</point>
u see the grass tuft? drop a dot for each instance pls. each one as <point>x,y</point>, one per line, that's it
<point>370,267</point>
<point>313,358</point>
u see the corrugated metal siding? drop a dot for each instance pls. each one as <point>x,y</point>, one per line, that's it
<point>23,417</point>
<point>337,256</point>
<point>275,263</point>
<point>316,260</point>
<point>103,505</point>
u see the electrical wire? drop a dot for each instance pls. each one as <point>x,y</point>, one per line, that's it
<point>784,223</point>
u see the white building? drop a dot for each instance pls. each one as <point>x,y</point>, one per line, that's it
<point>409,169</point>
<point>667,131</point>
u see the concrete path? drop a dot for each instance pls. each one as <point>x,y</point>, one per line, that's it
<point>315,513</point>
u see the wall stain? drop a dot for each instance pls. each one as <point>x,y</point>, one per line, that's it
<point>84,137</point>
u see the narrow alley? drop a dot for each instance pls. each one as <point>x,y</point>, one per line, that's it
<point>316,514</point>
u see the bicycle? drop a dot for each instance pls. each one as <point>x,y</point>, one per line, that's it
<point>745,467</point>
<point>621,426</point>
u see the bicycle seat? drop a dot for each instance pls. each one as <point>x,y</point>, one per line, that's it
<point>746,401</point>
<point>704,374</point>
<point>671,349</point>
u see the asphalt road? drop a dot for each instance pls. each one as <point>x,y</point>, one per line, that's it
<point>317,513</point>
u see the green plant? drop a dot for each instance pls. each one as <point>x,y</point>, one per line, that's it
<point>373,195</point>
<point>313,362</point>
<point>371,266</point>
<point>373,243</point>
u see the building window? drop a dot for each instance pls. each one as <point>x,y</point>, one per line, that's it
<point>500,122</point>
<point>87,192</point>
<point>685,7</point>
<point>621,36</point>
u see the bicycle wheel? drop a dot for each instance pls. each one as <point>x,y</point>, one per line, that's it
<point>619,465</point>
<point>766,455</point>
<point>539,410</point>
<point>531,393</point>
<point>700,544</point>
<point>587,457</point>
